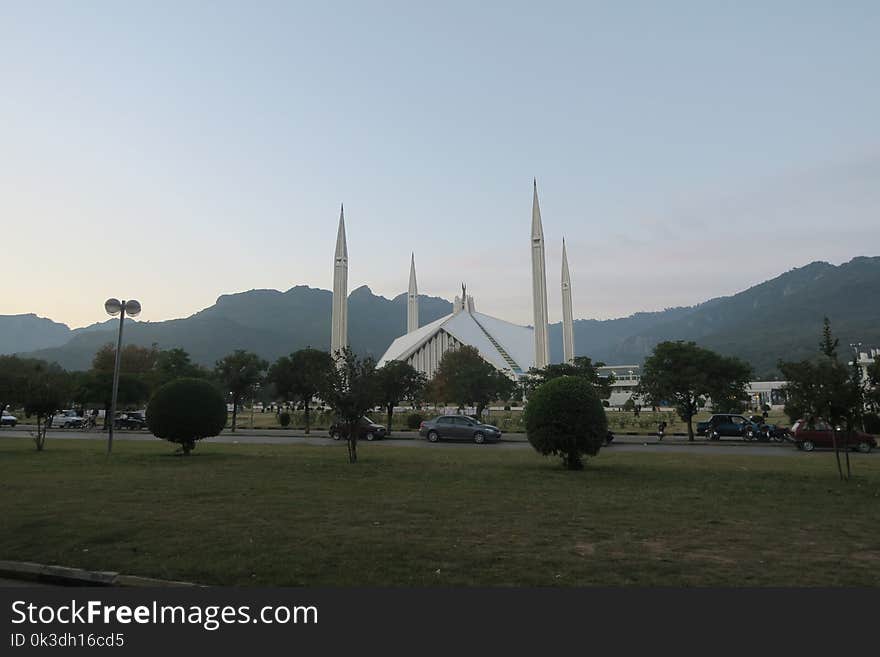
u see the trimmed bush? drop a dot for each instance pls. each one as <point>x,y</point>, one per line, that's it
<point>565,417</point>
<point>284,419</point>
<point>186,410</point>
<point>414,420</point>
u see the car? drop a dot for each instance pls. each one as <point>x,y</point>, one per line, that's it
<point>458,427</point>
<point>130,420</point>
<point>368,429</point>
<point>728,424</point>
<point>821,434</point>
<point>8,420</point>
<point>68,419</point>
<point>773,431</point>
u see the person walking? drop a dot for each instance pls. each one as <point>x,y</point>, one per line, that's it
<point>661,431</point>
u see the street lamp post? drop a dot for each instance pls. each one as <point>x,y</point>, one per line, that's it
<point>116,307</point>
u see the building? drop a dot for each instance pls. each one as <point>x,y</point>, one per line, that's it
<point>511,348</point>
<point>626,380</point>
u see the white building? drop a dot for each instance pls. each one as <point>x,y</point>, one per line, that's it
<point>509,347</point>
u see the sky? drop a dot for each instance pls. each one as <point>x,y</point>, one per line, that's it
<point>176,151</point>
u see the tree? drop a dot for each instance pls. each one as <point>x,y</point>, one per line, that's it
<point>826,389</point>
<point>171,364</point>
<point>351,390</point>
<point>240,372</point>
<point>688,376</point>
<point>45,390</point>
<point>582,366</point>
<point>135,359</point>
<point>95,388</point>
<point>301,376</point>
<point>398,380</point>
<point>13,377</point>
<point>465,378</point>
<point>565,417</point>
<point>186,410</point>
<point>872,388</point>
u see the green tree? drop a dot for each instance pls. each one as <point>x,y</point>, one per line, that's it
<point>398,381</point>
<point>687,376</point>
<point>186,410</point>
<point>351,390</point>
<point>95,388</point>
<point>135,360</point>
<point>825,388</point>
<point>582,366</point>
<point>14,372</point>
<point>565,417</point>
<point>171,364</point>
<point>45,390</point>
<point>301,376</point>
<point>464,377</point>
<point>240,373</point>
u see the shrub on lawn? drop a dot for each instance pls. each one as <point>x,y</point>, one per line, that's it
<point>565,417</point>
<point>414,420</point>
<point>186,410</point>
<point>284,419</point>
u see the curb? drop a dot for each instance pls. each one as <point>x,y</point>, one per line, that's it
<point>65,576</point>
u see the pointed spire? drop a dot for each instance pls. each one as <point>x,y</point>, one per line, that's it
<point>412,298</point>
<point>567,315</point>
<point>566,276</point>
<point>413,286</point>
<point>341,245</point>
<point>537,227</point>
<point>339,311</point>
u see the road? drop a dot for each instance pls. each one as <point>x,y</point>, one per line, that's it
<point>645,443</point>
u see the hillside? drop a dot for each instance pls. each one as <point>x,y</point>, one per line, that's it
<point>780,318</point>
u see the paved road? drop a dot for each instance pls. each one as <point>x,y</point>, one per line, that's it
<point>410,439</point>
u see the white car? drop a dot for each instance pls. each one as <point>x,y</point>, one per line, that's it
<point>8,420</point>
<point>67,420</point>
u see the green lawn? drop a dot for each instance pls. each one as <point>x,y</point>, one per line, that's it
<point>302,516</point>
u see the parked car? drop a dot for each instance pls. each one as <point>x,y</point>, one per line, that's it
<point>130,420</point>
<point>68,419</point>
<point>458,427</point>
<point>368,429</point>
<point>8,420</point>
<point>821,434</point>
<point>728,424</point>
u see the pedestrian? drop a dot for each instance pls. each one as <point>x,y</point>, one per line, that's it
<point>661,430</point>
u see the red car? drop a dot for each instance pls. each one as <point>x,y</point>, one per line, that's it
<point>821,435</point>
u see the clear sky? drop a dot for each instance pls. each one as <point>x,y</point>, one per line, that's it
<point>176,151</point>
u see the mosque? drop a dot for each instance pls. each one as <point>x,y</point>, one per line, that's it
<point>511,348</point>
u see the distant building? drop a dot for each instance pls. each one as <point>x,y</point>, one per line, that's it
<point>771,393</point>
<point>626,379</point>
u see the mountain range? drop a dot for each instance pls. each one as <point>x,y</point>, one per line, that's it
<point>780,318</point>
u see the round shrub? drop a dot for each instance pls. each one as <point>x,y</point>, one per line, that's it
<point>565,418</point>
<point>186,410</point>
<point>414,420</point>
<point>284,419</point>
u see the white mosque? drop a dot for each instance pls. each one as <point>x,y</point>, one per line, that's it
<point>511,348</point>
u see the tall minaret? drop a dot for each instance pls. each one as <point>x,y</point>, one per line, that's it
<point>539,286</point>
<point>567,319</point>
<point>412,299</point>
<point>339,315</point>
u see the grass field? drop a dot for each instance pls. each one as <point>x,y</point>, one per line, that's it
<point>302,516</point>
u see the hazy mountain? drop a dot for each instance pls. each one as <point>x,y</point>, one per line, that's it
<point>29,332</point>
<point>781,318</point>
<point>268,322</point>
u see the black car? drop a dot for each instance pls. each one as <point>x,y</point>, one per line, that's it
<point>367,428</point>
<point>458,427</point>
<point>132,420</point>
<point>732,425</point>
